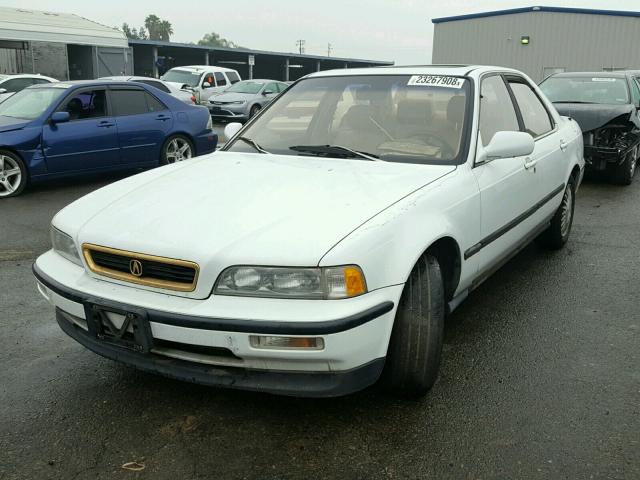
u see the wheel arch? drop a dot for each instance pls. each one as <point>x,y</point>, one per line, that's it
<point>447,251</point>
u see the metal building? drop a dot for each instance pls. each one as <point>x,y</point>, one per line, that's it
<point>541,40</point>
<point>60,45</point>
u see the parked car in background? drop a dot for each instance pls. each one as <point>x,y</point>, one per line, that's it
<point>203,80</point>
<point>10,84</point>
<point>316,256</point>
<point>244,99</point>
<point>76,128</point>
<point>186,96</point>
<point>605,105</point>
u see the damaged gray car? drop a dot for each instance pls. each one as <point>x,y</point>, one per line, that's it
<point>606,106</point>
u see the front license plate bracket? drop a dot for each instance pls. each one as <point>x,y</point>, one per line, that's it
<point>123,328</point>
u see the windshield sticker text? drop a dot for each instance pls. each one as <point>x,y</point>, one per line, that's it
<point>436,81</point>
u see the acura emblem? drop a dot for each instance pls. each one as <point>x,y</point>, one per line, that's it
<point>135,267</point>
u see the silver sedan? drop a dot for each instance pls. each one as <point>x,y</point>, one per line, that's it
<point>244,99</point>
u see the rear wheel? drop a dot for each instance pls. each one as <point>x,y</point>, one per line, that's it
<point>176,149</point>
<point>555,237</point>
<point>413,357</point>
<point>624,172</point>
<point>13,174</point>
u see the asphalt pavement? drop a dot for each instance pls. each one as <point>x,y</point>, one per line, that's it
<point>540,380</point>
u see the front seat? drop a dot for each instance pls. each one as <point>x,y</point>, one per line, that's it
<point>414,118</point>
<point>357,130</point>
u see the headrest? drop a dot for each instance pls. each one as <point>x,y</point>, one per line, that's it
<point>455,109</point>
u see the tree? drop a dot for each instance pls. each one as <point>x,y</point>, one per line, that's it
<point>158,29</point>
<point>140,34</point>
<point>214,40</point>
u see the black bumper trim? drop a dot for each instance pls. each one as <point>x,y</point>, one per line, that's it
<point>298,384</point>
<point>228,324</point>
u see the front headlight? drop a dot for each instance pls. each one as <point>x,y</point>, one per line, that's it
<point>241,102</point>
<point>295,282</point>
<point>65,246</point>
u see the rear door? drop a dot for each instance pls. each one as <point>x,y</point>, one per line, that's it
<point>89,141</point>
<point>143,122</point>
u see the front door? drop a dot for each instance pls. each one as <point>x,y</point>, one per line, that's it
<point>88,141</point>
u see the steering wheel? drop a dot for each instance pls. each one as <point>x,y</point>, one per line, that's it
<point>447,151</point>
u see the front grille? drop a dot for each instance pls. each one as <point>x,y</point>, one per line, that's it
<point>142,269</point>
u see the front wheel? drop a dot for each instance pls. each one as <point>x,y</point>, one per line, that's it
<point>254,109</point>
<point>176,149</point>
<point>555,237</point>
<point>13,174</point>
<point>413,356</point>
<point>624,172</point>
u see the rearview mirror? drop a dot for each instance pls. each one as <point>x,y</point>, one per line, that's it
<point>60,117</point>
<point>508,145</point>
<point>3,90</point>
<point>231,129</point>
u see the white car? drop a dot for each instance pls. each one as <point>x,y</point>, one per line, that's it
<point>11,84</point>
<point>183,95</point>
<point>204,80</point>
<point>322,248</point>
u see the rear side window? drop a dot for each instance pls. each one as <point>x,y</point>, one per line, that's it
<point>134,102</point>
<point>233,77</point>
<point>534,114</point>
<point>497,113</point>
<point>221,81</point>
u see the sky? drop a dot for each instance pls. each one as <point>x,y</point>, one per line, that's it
<point>395,30</point>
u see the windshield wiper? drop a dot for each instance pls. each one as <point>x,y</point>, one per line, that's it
<point>253,143</point>
<point>574,101</point>
<point>334,150</point>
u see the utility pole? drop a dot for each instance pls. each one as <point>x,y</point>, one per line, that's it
<point>300,45</point>
<point>329,48</point>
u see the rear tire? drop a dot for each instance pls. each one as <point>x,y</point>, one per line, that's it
<point>624,172</point>
<point>13,174</point>
<point>176,149</point>
<point>556,236</point>
<point>413,356</point>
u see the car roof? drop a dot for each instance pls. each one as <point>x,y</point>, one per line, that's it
<point>82,83</point>
<point>129,78</point>
<point>202,68</point>
<point>616,74</point>
<point>452,70</point>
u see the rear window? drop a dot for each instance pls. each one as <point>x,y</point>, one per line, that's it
<point>583,89</point>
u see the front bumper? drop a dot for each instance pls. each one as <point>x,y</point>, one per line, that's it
<point>216,351</point>
<point>229,112</point>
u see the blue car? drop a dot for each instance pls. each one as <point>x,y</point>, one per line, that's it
<point>79,128</point>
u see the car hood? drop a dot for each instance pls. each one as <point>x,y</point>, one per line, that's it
<point>232,97</point>
<point>592,116</point>
<point>7,124</point>
<point>229,208</point>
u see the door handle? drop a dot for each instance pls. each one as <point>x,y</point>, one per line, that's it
<point>563,145</point>
<point>529,164</point>
<point>106,124</point>
<point>162,118</point>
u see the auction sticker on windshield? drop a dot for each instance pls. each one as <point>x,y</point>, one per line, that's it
<point>436,81</point>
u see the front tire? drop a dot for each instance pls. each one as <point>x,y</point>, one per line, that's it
<point>177,148</point>
<point>556,236</point>
<point>254,110</point>
<point>624,172</point>
<point>13,174</point>
<point>413,357</point>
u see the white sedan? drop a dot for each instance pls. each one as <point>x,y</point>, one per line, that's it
<point>320,251</point>
<point>11,84</point>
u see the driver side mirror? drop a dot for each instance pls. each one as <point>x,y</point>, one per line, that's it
<point>60,117</point>
<point>508,145</point>
<point>3,90</point>
<point>268,92</point>
<point>206,85</point>
<point>231,129</point>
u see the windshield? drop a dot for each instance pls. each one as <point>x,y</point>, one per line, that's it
<point>580,89</point>
<point>401,118</point>
<point>245,87</point>
<point>182,76</point>
<point>30,103</point>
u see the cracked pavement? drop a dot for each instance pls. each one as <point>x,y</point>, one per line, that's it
<point>540,379</point>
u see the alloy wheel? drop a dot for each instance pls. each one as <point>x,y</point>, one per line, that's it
<point>567,212</point>
<point>178,150</point>
<point>10,175</point>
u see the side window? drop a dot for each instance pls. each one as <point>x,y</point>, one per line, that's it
<point>233,77</point>
<point>17,84</point>
<point>40,81</point>
<point>129,102</point>
<point>220,79</point>
<point>157,85</point>
<point>271,87</point>
<point>635,92</point>
<point>281,87</point>
<point>153,104</point>
<point>497,113</point>
<point>208,77</point>
<point>534,114</point>
<point>85,105</point>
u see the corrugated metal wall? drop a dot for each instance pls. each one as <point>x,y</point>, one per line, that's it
<point>569,41</point>
<point>13,60</point>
